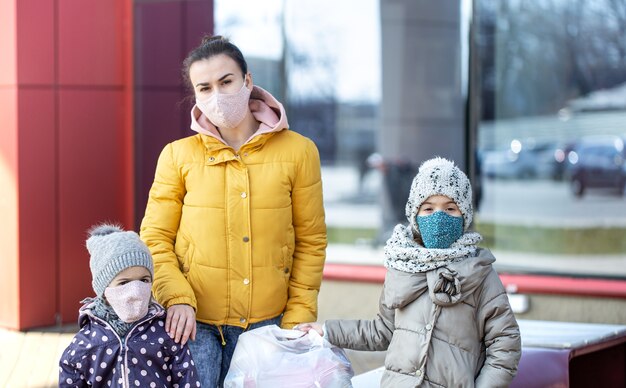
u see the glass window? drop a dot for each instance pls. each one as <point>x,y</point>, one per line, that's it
<point>550,136</point>
<point>326,71</point>
<point>548,78</point>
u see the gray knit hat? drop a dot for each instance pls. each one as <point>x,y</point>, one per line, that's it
<point>439,176</point>
<point>113,250</point>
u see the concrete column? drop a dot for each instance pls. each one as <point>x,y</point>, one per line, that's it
<point>423,104</point>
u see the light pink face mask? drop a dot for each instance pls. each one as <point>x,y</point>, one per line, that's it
<point>226,111</point>
<point>130,301</point>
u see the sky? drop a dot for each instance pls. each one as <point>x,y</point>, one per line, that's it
<point>339,40</point>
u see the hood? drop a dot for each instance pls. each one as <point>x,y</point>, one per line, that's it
<point>446,285</point>
<point>264,107</point>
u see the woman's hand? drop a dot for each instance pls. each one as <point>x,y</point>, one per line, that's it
<point>310,326</point>
<point>180,323</point>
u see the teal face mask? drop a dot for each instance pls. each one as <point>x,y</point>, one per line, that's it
<point>439,230</point>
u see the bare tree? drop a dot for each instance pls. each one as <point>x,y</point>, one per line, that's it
<point>546,52</point>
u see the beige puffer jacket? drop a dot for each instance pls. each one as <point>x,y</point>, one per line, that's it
<point>437,336</point>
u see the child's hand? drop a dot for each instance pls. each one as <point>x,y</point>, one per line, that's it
<point>310,326</point>
<point>180,323</point>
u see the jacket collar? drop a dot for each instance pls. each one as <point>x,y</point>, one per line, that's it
<point>446,285</point>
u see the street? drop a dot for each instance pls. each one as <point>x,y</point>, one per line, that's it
<point>549,203</point>
<point>517,202</point>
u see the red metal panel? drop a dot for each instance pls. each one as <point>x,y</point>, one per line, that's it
<point>9,259</point>
<point>158,30</point>
<point>358,273</point>
<point>128,110</point>
<point>35,42</point>
<point>8,42</point>
<point>164,34</point>
<point>92,183</point>
<point>541,367</point>
<point>37,207</point>
<point>534,284</point>
<point>160,124</point>
<point>531,284</point>
<point>199,16</point>
<point>91,42</point>
<point>74,145</point>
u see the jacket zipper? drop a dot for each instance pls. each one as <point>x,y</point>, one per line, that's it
<point>124,347</point>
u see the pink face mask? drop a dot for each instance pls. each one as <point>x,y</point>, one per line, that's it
<point>130,301</point>
<point>226,111</point>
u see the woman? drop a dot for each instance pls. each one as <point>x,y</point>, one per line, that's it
<point>235,218</point>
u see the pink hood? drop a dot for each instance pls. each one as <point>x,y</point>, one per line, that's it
<point>264,107</point>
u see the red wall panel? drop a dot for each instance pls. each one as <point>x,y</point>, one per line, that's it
<point>35,42</point>
<point>90,46</point>
<point>158,43</point>
<point>38,211</point>
<point>199,22</point>
<point>66,150</point>
<point>165,32</point>
<point>9,316</point>
<point>158,115</point>
<point>67,155</point>
<point>8,43</point>
<point>92,184</point>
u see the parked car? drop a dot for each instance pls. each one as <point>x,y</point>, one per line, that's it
<point>507,164</point>
<point>525,160</point>
<point>598,162</point>
<point>550,159</point>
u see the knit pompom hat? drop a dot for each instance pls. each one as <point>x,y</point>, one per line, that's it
<point>439,176</point>
<point>113,250</point>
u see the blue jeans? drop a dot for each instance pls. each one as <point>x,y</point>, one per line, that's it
<point>211,358</point>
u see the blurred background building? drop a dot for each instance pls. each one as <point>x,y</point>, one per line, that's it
<point>527,97</point>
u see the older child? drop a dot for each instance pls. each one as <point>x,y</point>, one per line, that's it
<point>444,315</point>
<point>122,340</point>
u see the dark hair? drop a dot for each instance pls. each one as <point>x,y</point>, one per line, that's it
<point>211,46</point>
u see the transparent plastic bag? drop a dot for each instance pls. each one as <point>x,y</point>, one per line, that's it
<point>273,357</point>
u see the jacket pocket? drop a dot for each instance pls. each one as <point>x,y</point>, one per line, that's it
<point>287,262</point>
<point>187,260</point>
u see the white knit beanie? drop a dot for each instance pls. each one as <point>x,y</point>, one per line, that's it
<point>439,176</point>
<point>113,250</point>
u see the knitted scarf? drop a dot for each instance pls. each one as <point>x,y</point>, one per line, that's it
<point>405,254</point>
<point>104,311</point>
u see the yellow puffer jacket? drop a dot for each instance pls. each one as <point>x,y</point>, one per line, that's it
<point>240,236</point>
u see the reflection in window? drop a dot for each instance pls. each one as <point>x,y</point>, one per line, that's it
<point>326,72</point>
<point>551,134</point>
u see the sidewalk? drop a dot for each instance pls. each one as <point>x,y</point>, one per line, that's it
<point>30,359</point>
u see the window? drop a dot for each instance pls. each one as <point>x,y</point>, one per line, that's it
<point>550,136</point>
<point>326,71</point>
<point>549,81</point>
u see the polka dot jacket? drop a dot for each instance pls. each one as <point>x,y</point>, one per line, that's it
<point>146,357</point>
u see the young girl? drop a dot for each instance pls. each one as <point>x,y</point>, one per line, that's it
<point>444,315</point>
<point>122,340</point>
